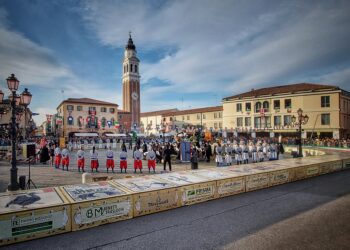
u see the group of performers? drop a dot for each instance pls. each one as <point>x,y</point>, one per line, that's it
<point>241,153</point>
<point>62,157</point>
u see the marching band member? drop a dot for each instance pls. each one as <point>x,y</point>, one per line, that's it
<point>137,160</point>
<point>58,156</point>
<point>110,159</point>
<point>228,157</point>
<point>81,159</point>
<point>94,159</point>
<point>245,154</point>
<point>65,158</point>
<point>123,162</point>
<point>151,157</point>
<point>218,157</point>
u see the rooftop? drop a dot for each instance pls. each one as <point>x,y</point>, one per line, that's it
<point>292,88</point>
<point>88,101</point>
<point>158,112</point>
<point>194,111</point>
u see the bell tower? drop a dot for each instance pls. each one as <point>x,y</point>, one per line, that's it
<point>131,82</point>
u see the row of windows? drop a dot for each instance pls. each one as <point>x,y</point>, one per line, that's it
<point>264,105</point>
<point>216,115</point>
<point>80,108</point>
<point>325,103</point>
<point>81,121</point>
<point>130,68</point>
<point>277,121</point>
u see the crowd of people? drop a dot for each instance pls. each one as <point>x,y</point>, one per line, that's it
<point>154,151</point>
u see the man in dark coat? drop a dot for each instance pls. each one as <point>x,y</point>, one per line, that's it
<point>167,157</point>
<point>208,152</point>
<point>44,154</point>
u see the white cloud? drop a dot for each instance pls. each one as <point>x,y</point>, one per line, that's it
<point>37,66</point>
<point>227,45</point>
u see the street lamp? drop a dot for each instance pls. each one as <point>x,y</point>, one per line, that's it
<point>26,98</point>
<point>15,102</point>
<point>300,120</point>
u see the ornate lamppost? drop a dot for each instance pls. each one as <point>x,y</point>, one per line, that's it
<point>300,120</point>
<point>16,102</point>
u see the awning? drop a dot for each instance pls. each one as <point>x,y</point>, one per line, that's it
<point>116,135</point>
<point>85,134</point>
<point>138,135</point>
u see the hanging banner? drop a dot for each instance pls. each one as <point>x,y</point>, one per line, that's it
<point>253,135</point>
<point>303,135</point>
<point>336,134</point>
<point>116,124</point>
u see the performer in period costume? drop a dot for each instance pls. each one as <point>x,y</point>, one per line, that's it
<point>137,160</point>
<point>94,159</point>
<point>254,154</point>
<point>218,157</point>
<point>260,153</point>
<point>238,155</point>
<point>58,156</point>
<point>65,158</point>
<point>110,159</point>
<point>245,154</point>
<point>123,160</point>
<point>151,157</point>
<point>228,156</point>
<point>81,159</point>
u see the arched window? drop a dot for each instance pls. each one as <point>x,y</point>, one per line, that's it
<point>257,107</point>
<point>131,68</point>
<point>124,69</point>
<point>266,106</point>
<point>135,68</point>
<point>127,68</point>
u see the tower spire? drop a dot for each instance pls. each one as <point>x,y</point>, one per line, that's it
<point>130,44</point>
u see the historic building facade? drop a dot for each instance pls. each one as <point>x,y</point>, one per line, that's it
<point>152,122</point>
<point>131,83</point>
<point>82,115</point>
<point>209,118</point>
<point>271,110</point>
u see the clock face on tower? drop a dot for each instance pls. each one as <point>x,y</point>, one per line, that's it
<point>134,96</point>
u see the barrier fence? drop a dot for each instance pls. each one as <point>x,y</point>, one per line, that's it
<point>38,213</point>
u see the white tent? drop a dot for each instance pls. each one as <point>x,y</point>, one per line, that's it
<point>85,134</point>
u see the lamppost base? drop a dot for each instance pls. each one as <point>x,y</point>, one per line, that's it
<point>13,187</point>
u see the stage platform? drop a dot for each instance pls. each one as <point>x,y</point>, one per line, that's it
<point>37,213</point>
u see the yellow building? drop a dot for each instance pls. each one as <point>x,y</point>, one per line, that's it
<point>83,115</point>
<point>271,110</point>
<point>152,122</point>
<point>209,118</point>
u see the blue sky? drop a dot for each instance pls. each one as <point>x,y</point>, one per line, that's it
<point>192,53</point>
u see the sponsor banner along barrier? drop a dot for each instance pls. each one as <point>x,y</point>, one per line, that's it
<point>33,214</point>
<point>43,212</point>
<point>97,203</point>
